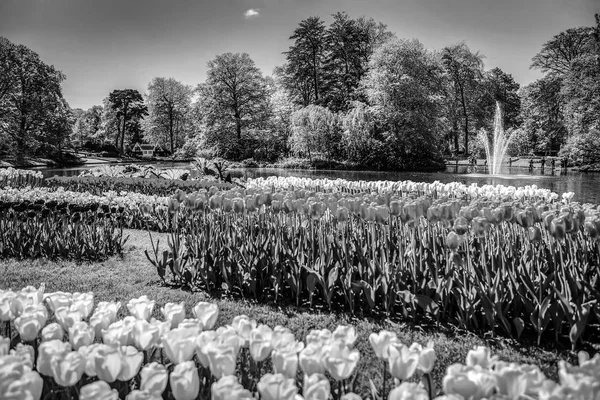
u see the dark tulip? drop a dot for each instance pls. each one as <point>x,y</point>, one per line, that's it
<point>76,217</point>
<point>94,206</point>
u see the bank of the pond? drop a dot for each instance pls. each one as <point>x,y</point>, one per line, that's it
<point>132,276</point>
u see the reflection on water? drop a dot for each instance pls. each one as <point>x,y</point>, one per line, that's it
<point>585,185</point>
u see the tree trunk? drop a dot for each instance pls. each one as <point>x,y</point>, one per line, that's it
<point>238,124</point>
<point>123,130</point>
<point>455,134</point>
<point>171,130</point>
<point>466,115</point>
<point>118,135</point>
<point>315,78</point>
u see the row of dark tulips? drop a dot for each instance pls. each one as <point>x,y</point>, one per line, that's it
<point>484,265</point>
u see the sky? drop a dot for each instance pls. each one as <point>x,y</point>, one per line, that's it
<point>102,45</point>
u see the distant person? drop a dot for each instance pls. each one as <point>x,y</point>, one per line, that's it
<point>553,164</point>
<point>510,162</point>
<point>543,162</point>
<point>531,164</point>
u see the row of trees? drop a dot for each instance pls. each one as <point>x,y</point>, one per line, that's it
<point>348,91</point>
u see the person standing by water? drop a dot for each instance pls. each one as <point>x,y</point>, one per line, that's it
<point>530,164</point>
<point>553,164</point>
<point>543,163</point>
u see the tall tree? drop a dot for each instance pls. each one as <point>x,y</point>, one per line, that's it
<point>465,72</point>
<point>305,57</point>
<point>30,97</point>
<point>348,49</point>
<point>498,86</point>
<point>405,87</point>
<point>168,105</point>
<point>87,124</point>
<point>542,115</point>
<point>129,106</point>
<point>558,53</point>
<point>234,98</point>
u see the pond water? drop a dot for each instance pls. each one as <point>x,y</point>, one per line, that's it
<point>586,186</point>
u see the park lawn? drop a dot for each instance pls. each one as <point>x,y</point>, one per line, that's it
<point>132,276</point>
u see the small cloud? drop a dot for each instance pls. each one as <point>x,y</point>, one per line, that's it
<point>252,13</point>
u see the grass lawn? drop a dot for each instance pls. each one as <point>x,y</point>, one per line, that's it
<point>132,276</point>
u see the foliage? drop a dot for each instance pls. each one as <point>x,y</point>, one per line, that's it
<point>302,73</point>
<point>543,119</point>
<point>33,112</point>
<point>404,87</point>
<point>233,99</point>
<point>169,103</point>
<point>583,149</point>
<point>315,130</point>
<point>558,53</point>
<point>464,69</point>
<point>128,108</point>
<point>87,125</point>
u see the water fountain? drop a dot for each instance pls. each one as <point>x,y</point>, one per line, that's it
<point>496,149</point>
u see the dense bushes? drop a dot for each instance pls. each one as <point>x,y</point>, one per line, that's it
<point>583,149</point>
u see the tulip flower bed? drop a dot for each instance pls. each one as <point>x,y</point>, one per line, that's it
<point>484,262</point>
<point>95,354</point>
<point>147,186</point>
<point>20,178</point>
<point>67,225</point>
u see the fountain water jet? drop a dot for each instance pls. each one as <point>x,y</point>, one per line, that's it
<point>495,150</point>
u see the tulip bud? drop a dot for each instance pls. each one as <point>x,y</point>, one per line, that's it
<point>276,387</point>
<point>207,313</point>
<point>46,351</point>
<point>185,382</point>
<point>141,308</point>
<point>402,361</point>
<point>154,378</point>
<point>179,344</point>
<point>80,334</point>
<point>174,313</point>
<point>408,390</point>
<point>67,368</point>
<point>98,390</point>
<point>340,360</point>
<point>108,363</point>
<point>52,331</point>
<point>316,387</point>
<point>28,326</point>
<point>228,388</point>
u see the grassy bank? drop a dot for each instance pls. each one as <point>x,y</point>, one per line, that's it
<point>132,276</point>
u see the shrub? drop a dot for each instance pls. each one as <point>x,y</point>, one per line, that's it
<point>583,149</point>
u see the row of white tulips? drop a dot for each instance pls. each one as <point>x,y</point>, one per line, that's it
<point>204,358</point>
<point>451,189</point>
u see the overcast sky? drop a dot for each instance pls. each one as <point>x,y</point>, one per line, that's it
<point>103,45</point>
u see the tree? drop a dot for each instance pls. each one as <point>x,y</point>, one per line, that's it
<point>305,58</point>
<point>580,89</point>
<point>498,86</point>
<point>30,98</point>
<point>558,53</point>
<point>233,100</point>
<point>87,124</point>
<point>315,130</point>
<point>465,72</point>
<point>349,45</point>
<point>541,112</point>
<point>404,85</point>
<point>129,107</point>
<point>168,105</point>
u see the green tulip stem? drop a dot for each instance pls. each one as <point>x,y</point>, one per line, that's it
<point>384,373</point>
<point>429,385</point>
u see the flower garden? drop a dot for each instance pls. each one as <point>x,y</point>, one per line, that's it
<point>512,265</point>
